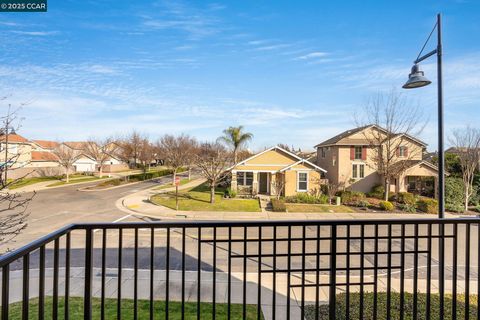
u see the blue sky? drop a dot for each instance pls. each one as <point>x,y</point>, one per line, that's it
<point>289,71</point>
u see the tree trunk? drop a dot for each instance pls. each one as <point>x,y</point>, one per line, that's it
<point>212,193</point>
<point>189,173</point>
<point>467,196</point>
<point>174,176</point>
<point>235,156</point>
<point>387,187</point>
<point>67,174</point>
<point>101,171</point>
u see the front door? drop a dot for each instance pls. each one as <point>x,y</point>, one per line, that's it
<point>263,182</point>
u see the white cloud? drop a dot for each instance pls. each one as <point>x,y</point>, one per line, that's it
<point>313,55</point>
<point>35,33</point>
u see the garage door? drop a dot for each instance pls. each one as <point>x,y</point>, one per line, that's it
<point>84,167</point>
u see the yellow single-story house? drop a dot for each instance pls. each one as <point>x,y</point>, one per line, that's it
<point>276,171</point>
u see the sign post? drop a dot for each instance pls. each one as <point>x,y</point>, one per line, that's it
<point>177,183</point>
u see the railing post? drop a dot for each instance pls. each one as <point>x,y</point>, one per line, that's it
<point>87,299</point>
<point>5,291</point>
<point>333,272</point>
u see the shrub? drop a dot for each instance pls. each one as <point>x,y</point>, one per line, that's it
<point>427,205</point>
<point>454,194</point>
<point>307,198</point>
<point>352,198</point>
<point>407,198</point>
<point>408,208</point>
<point>386,205</point>
<point>229,193</point>
<point>363,203</point>
<point>278,205</point>
<point>377,191</point>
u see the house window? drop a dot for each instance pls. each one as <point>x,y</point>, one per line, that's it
<point>323,152</point>
<point>302,181</point>
<point>402,151</point>
<point>244,178</point>
<point>358,171</point>
<point>358,153</point>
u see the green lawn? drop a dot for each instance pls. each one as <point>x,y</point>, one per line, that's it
<point>76,310</point>
<point>73,181</point>
<point>28,181</point>
<point>395,307</point>
<point>169,185</point>
<point>303,207</point>
<point>198,199</point>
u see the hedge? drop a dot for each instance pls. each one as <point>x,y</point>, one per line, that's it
<point>307,198</point>
<point>278,205</point>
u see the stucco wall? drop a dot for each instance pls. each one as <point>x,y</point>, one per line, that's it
<point>291,181</point>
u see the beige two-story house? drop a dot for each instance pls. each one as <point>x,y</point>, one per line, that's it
<point>351,159</point>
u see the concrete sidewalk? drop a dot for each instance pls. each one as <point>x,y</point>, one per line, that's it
<point>139,204</point>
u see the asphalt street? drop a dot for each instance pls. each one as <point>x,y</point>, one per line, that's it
<point>52,209</point>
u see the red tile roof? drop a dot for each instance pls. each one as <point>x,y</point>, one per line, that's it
<point>14,138</point>
<point>43,156</point>
<point>46,144</point>
<point>78,145</point>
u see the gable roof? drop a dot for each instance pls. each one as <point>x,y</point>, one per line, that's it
<point>14,138</point>
<point>338,137</point>
<point>299,159</point>
<point>43,156</point>
<point>406,164</point>
<point>46,144</point>
<point>342,138</point>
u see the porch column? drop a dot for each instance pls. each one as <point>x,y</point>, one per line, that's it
<point>255,183</point>
<point>233,184</point>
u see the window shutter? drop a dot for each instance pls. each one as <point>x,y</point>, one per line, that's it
<point>352,152</point>
<point>406,151</point>
<point>364,153</point>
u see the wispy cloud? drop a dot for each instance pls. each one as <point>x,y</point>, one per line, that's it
<point>35,33</point>
<point>196,22</point>
<point>313,55</point>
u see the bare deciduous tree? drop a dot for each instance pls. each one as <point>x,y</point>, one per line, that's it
<point>66,157</point>
<point>99,150</point>
<point>13,206</point>
<point>397,121</point>
<point>467,146</point>
<point>278,186</point>
<point>213,159</point>
<point>130,147</point>
<point>146,154</point>
<point>178,151</point>
<point>333,188</point>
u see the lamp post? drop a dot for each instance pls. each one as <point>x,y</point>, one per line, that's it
<point>416,79</point>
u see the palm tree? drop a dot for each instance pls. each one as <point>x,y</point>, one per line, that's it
<point>235,138</point>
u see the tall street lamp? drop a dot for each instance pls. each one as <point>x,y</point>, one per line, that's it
<point>416,79</point>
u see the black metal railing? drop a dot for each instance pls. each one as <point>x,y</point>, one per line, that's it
<point>355,269</point>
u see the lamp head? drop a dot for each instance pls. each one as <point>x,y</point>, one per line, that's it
<point>416,79</point>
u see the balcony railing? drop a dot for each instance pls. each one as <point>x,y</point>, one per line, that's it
<point>358,269</point>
